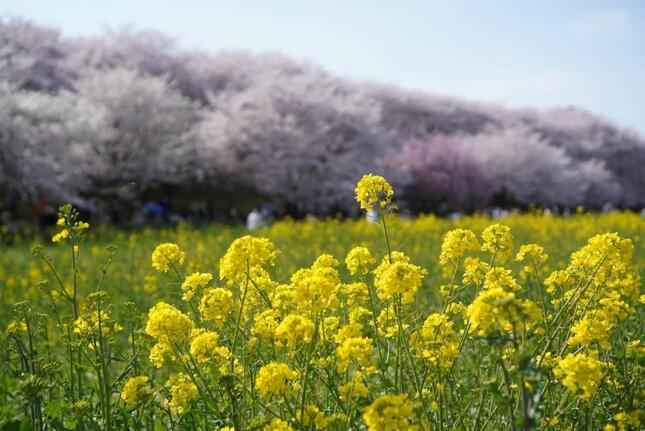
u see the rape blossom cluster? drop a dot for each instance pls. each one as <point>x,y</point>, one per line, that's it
<point>319,352</point>
<point>490,336</point>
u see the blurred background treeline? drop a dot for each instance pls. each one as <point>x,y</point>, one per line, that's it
<point>128,123</point>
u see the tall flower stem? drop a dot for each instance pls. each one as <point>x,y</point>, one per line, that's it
<point>386,236</point>
<point>79,356</point>
<point>305,380</point>
<point>239,317</point>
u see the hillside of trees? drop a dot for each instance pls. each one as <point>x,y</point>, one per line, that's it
<point>131,116</point>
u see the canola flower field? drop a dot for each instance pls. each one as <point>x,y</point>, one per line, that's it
<point>530,322</point>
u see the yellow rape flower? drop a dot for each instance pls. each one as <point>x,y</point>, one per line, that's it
<point>203,345</point>
<point>372,189</point>
<point>496,312</point>
<point>275,378</point>
<point>594,327</point>
<point>535,254</point>
<point>292,330</point>
<point>158,354</point>
<point>182,392</point>
<point>277,424</point>
<point>266,323</point>
<point>455,243</point>
<point>580,373</point>
<point>60,235</point>
<point>166,255</point>
<point>391,412</point>
<point>398,278</point>
<point>314,288</point>
<point>167,324</point>
<point>245,256</point>
<point>134,389</point>
<point>348,331</point>
<point>475,271</point>
<point>216,304</point>
<point>312,418</point>
<point>436,341</point>
<point>500,277</point>
<point>497,240</point>
<point>193,283</point>
<point>359,259</point>
<point>602,255</point>
<point>354,349</point>
<point>353,389</point>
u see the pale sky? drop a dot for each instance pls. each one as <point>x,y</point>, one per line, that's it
<point>519,53</point>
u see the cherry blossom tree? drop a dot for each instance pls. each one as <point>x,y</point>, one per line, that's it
<point>148,140</point>
<point>132,112</point>
<point>33,57</point>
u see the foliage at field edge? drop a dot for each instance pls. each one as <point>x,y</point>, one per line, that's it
<point>130,115</point>
<point>505,341</point>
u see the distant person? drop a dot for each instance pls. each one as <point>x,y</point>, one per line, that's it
<point>371,216</point>
<point>154,213</point>
<point>498,213</point>
<point>607,208</point>
<point>255,220</point>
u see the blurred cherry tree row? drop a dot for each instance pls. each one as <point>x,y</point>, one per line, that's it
<point>129,114</point>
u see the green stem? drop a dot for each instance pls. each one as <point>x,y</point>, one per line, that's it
<point>239,317</point>
<point>507,381</point>
<point>415,376</point>
<point>305,381</point>
<point>538,282</point>
<point>385,234</point>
